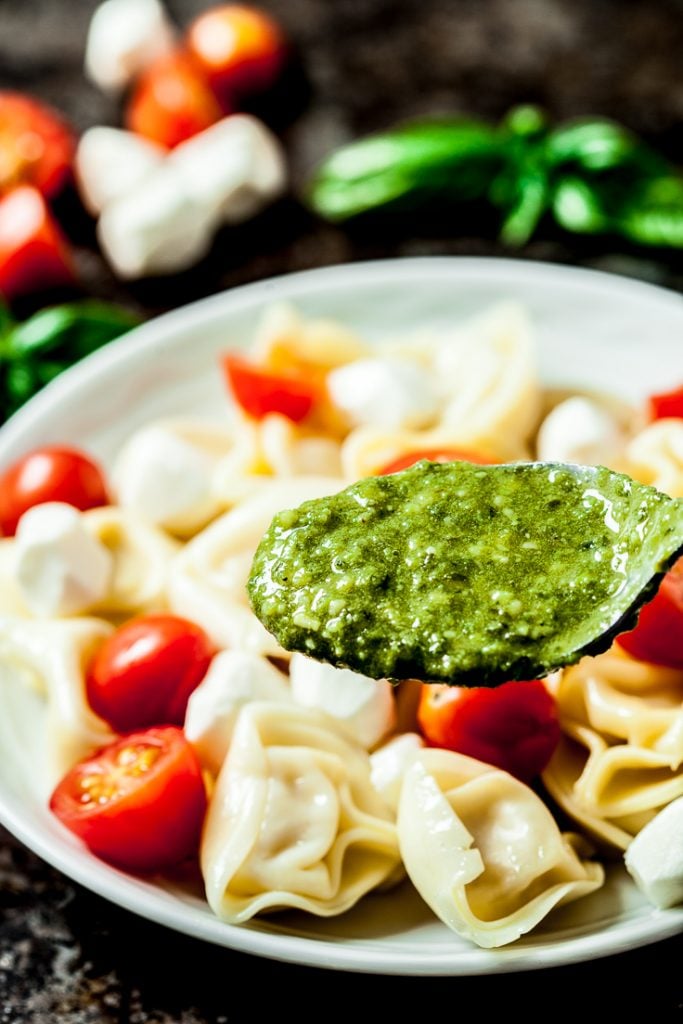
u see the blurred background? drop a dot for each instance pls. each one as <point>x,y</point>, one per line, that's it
<point>328,73</point>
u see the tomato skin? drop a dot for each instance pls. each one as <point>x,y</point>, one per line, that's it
<point>139,803</point>
<point>52,473</point>
<point>37,145</point>
<point>658,636</point>
<point>171,102</point>
<point>240,49</point>
<point>260,393</point>
<point>145,672</point>
<point>434,455</point>
<point>667,405</point>
<point>514,726</point>
<point>34,253</point>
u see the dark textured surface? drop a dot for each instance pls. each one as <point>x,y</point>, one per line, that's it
<point>66,955</point>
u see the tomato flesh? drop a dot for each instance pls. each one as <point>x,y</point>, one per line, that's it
<point>34,253</point>
<point>434,455</point>
<point>37,146</point>
<point>240,49</point>
<point>658,635</point>
<point>172,102</point>
<point>52,473</point>
<point>139,803</point>
<point>145,672</point>
<point>514,726</point>
<point>667,405</point>
<point>260,393</point>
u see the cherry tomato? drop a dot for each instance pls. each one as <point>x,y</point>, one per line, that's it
<point>260,393</point>
<point>658,636</point>
<point>37,146</point>
<point>138,803</point>
<point>667,405</point>
<point>172,101</point>
<point>145,672</point>
<point>49,474</point>
<point>240,49</point>
<point>434,455</point>
<point>33,251</point>
<point>514,726</point>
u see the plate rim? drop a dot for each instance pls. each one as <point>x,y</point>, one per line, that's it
<point>124,890</point>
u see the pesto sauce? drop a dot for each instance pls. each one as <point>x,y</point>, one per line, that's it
<point>465,574</point>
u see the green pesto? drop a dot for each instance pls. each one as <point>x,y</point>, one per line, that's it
<point>465,574</point>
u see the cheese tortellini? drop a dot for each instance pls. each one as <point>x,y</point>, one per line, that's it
<point>294,820</point>
<point>484,851</point>
<point>655,456</point>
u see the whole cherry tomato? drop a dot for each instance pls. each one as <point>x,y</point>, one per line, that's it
<point>259,392</point>
<point>667,405</point>
<point>33,251</point>
<point>434,455</point>
<point>172,101</point>
<point>513,726</point>
<point>240,49</point>
<point>138,803</point>
<point>658,636</point>
<point>144,673</point>
<point>37,146</point>
<point>49,474</point>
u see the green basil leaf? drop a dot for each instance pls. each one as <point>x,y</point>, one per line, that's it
<point>530,205</point>
<point>74,329</point>
<point>600,145</point>
<point>423,160</point>
<point>655,215</point>
<point>578,207</point>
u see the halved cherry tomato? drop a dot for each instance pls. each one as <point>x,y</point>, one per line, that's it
<point>514,726</point>
<point>144,673</point>
<point>240,49</point>
<point>172,101</point>
<point>434,455</point>
<point>37,145</point>
<point>260,393</point>
<point>668,404</point>
<point>658,636</point>
<point>52,473</point>
<point>33,251</point>
<point>138,803</point>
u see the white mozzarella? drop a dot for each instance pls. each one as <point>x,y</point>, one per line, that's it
<point>125,36</point>
<point>578,430</point>
<point>236,166</point>
<point>389,763</point>
<point>156,228</point>
<point>110,162</point>
<point>60,567</point>
<point>163,479</point>
<point>364,706</point>
<point>235,678</point>
<point>386,393</point>
<point>655,857</point>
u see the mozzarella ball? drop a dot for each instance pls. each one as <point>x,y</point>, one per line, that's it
<point>384,393</point>
<point>579,430</point>
<point>655,857</point>
<point>124,37</point>
<point>111,162</point>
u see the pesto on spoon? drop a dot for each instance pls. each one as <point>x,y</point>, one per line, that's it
<point>465,574</point>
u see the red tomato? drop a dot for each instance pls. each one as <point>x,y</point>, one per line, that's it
<point>513,726</point>
<point>33,251</point>
<point>434,455</point>
<point>172,101</point>
<point>138,803</point>
<point>49,474</point>
<point>260,393</point>
<point>667,405</point>
<point>144,673</point>
<point>36,144</point>
<point>241,49</point>
<point>658,636</point>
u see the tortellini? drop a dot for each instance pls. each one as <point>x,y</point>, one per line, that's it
<point>208,578</point>
<point>655,456</point>
<point>51,657</point>
<point>484,851</point>
<point>294,820</point>
<point>621,755</point>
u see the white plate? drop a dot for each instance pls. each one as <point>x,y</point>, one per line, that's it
<point>594,331</point>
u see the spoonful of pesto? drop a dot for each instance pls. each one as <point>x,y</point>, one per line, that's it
<point>465,574</point>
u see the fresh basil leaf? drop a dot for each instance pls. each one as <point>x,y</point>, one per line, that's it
<point>654,216</point>
<point>416,161</point>
<point>600,145</point>
<point>578,207</point>
<point>74,329</point>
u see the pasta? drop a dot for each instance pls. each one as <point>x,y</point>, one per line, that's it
<point>655,456</point>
